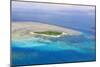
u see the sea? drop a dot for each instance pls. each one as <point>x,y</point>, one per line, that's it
<point>64,49</point>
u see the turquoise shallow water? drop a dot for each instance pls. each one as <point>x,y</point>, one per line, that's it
<point>41,50</point>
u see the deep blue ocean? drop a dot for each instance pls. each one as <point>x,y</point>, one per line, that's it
<point>55,50</point>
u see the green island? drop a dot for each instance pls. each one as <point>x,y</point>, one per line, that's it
<point>49,32</point>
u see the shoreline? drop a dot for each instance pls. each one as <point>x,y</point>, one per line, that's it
<point>49,35</point>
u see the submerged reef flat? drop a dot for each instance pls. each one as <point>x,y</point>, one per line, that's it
<point>30,29</point>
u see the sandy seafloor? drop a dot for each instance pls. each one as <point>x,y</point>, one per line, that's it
<point>29,49</point>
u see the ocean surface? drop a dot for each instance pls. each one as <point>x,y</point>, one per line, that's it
<point>41,50</point>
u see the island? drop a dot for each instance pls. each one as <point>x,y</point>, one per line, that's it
<point>50,33</point>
